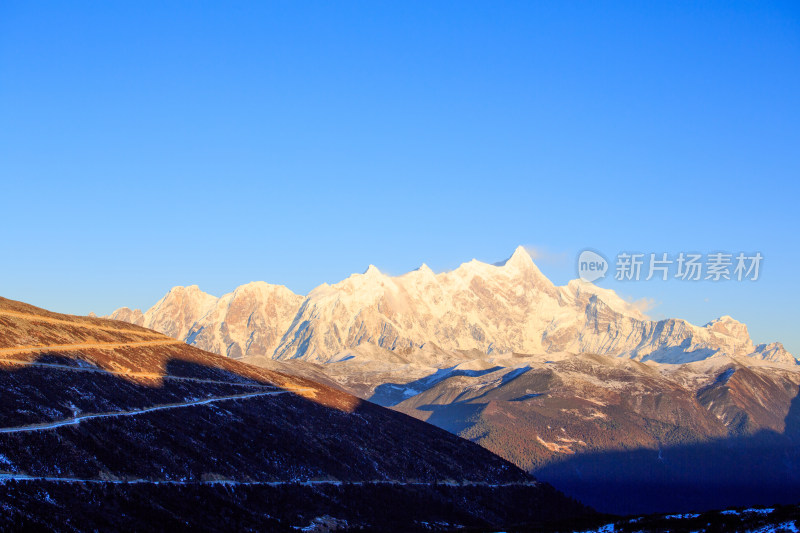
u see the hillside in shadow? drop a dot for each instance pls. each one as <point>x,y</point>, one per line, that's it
<point>758,469</point>
<point>206,447</point>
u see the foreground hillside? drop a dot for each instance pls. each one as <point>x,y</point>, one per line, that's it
<point>108,425</point>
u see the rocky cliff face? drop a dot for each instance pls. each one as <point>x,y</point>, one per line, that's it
<point>248,321</point>
<point>172,315</point>
<point>508,307</point>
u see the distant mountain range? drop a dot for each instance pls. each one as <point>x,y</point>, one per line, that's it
<point>492,309</point>
<point>571,383</point>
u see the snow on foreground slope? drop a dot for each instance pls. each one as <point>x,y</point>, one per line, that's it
<point>781,519</point>
<point>508,307</point>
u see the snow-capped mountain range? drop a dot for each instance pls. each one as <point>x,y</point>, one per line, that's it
<point>492,309</point>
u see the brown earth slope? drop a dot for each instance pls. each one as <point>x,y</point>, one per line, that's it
<point>105,425</point>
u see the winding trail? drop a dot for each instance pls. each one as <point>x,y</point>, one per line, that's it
<point>309,483</point>
<point>266,389</point>
<point>44,426</point>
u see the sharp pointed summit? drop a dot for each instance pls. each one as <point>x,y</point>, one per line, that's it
<point>520,256</point>
<point>519,259</point>
<point>372,270</point>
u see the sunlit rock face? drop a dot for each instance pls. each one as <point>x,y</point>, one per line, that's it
<point>249,320</point>
<point>501,308</point>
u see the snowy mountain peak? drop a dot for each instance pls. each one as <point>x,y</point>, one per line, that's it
<point>579,290</point>
<point>519,259</point>
<point>724,319</point>
<point>263,287</point>
<point>774,352</point>
<point>372,270</point>
<point>726,325</point>
<point>423,274</point>
<point>519,263</point>
<point>187,290</point>
<point>505,307</point>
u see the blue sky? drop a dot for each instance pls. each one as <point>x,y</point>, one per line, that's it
<point>150,144</point>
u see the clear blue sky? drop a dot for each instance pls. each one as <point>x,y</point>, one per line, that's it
<point>151,144</point>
